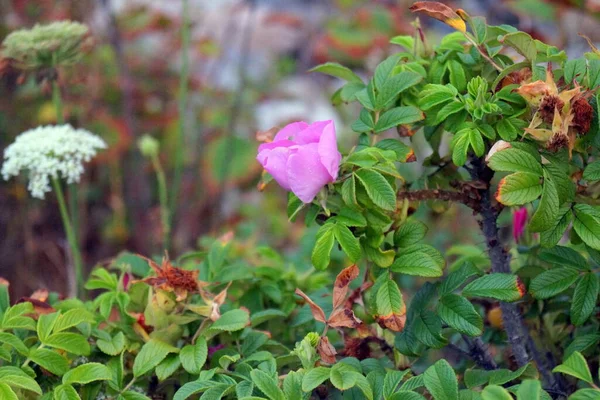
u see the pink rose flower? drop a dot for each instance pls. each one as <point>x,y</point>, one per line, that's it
<point>302,158</point>
<point>519,223</point>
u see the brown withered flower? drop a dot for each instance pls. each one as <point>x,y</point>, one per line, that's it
<point>560,115</point>
<point>173,279</point>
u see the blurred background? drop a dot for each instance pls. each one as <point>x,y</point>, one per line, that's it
<point>248,73</point>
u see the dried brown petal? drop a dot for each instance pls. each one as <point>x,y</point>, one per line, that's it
<point>342,281</point>
<point>326,350</point>
<point>317,311</point>
<point>343,318</point>
<point>440,12</point>
<point>583,113</point>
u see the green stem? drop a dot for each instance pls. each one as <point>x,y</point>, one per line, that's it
<point>182,106</point>
<point>163,199</point>
<point>72,188</point>
<point>71,238</point>
<point>28,360</point>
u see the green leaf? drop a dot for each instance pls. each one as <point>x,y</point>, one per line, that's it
<point>388,298</point>
<point>550,237</point>
<point>391,381</point>
<point>447,110</point>
<point>548,208</point>
<point>231,321</point>
<point>343,376</point>
<point>575,365</point>
<point>417,263</point>
<point>16,378</point>
<point>393,85</point>
<point>378,188</point>
<point>522,43</point>
<point>494,392</point>
<point>151,354</point>
<point>266,315</point>
<point>321,252</point>
<point>50,360</point>
<point>552,282</point>
<point>574,70</point>
<point>433,95</point>
<point>87,373</point>
<point>584,298</point>
<point>350,244</point>
<point>168,367</point>
<point>476,141</point>
<point>519,188</point>
<point>73,318</point>
<point>460,147</point>
<point>337,70</point>
<point>460,314</point>
<point>403,152</point>
<point>592,172</point>
<point>499,286</point>
<point>581,343</point>
<point>131,395</point>
<point>398,116</point>
<point>45,325</point>
<point>405,395</point>
<point>292,385</point>
<point>587,225</point>
<point>194,356</point>
<point>457,75</point>
<point>71,342</point>
<point>564,256</point>
<point>13,317</point>
<point>515,160</point>
<point>585,394</point>
<point>350,217</point>
<point>15,342</point>
<point>410,232</point>
<point>114,346</point>
<point>314,378</point>
<point>529,389</point>
<point>267,385</point>
<point>6,393</point>
<point>427,329</point>
<point>440,381</point>
<point>457,278</point>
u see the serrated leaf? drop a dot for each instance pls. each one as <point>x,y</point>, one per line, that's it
<point>114,346</point>
<point>267,385</point>
<point>151,354</point>
<point>65,392</point>
<point>378,188</point>
<point>50,360</point>
<point>417,263</point>
<point>584,298</point>
<point>388,298</point>
<point>73,318</point>
<point>457,278</point>
<point>519,188</point>
<point>349,243</point>
<point>398,116</point>
<point>393,86</point>
<point>592,172</point>
<point>168,367</point>
<point>231,321</point>
<point>522,42</point>
<point>499,286</point>
<point>460,314</point>
<point>552,282</point>
<point>87,373</point>
<point>440,380</point>
<point>545,214</point>
<point>587,225</point>
<point>515,160</point>
<point>575,365</point>
<point>409,233</point>
<point>321,252</point>
<point>494,392</point>
<point>194,356</point>
<point>71,342</point>
<point>337,70</point>
<point>7,393</point>
<point>564,256</point>
<point>314,377</point>
<point>551,236</point>
<point>427,328</point>
<point>343,376</point>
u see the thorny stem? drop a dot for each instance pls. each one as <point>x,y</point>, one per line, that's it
<point>184,77</point>
<point>438,194</point>
<point>479,352</point>
<point>522,345</point>
<point>163,199</point>
<point>71,238</point>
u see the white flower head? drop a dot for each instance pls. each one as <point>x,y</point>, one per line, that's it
<point>53,151</point>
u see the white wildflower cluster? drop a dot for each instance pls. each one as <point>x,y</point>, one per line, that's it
<point>50,152</point>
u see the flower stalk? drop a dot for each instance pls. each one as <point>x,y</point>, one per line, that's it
<point>184,76</point>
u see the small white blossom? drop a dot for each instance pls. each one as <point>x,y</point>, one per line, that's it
<point>50,152</point>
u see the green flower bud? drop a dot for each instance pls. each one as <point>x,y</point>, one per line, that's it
<point>149,147</point>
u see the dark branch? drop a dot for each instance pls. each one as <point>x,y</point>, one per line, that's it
<point>480,353</point>
<point>462,197</point>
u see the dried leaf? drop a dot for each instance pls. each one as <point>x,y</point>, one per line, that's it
<point>326,350</point>
<point>317,311</point>
<point>440,12</point>
<point>343,318</point>
<point>394,321</point>
<point>340,288</point>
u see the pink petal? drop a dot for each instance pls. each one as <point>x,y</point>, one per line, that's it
<point>328,150</point>
<point>306,173</point>
<point>312,134</point>
<point>274,161</point>
<point>290,131</point>
<point>274,145</point>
